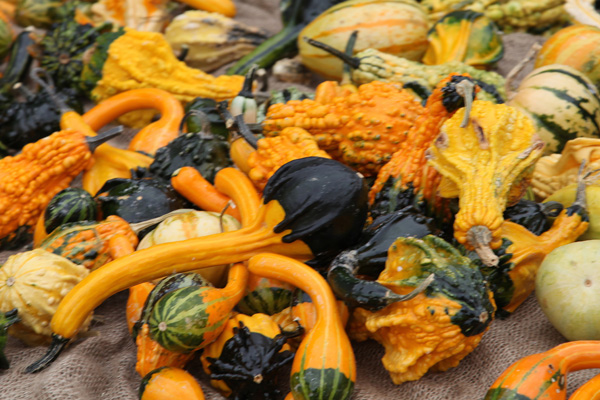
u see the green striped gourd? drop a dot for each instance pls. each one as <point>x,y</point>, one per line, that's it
<point>69,205</point>
<point>266,296</point>
<point>562,102</point>
<point>396,27</point>
<point>190,318</point>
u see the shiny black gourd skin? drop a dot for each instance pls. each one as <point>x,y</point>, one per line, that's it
<point>325,204</point>
<point>369,257</point>
<point>533,216</point>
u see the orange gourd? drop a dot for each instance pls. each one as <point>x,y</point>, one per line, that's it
<point>169,383</point>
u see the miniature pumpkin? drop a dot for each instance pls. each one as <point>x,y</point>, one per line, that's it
<point>35,282</point>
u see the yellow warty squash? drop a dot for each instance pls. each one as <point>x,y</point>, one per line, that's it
<point>35,282</point>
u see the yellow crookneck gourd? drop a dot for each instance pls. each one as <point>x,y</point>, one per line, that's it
<point>486,159</point>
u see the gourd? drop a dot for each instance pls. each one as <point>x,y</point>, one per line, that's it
<point>557,171</point>
<point>150,354</point>
<point>243,362</point>
<point>407,178</point>
<point>367,259</point>
<point>89,242</point>
<point>169,383</point>
<point>36,12</point>
<point>189,318</point>
<point>63,48</point>
<point>575,46</point>
<point>466,36</point>
<point>36,295</point>
<point>487,165</point>
<point>135,303</point>
<point>440,326</point>
<point>398,27</point>
<point>203,151</point>
<point>324,365</point>
<point>362,129</point>
<point>567,196</point>
<point>565,289</point>
<point>142,15</point>
<point>544,375</point>
<point>137,200</point>
<point>165,72</point>
<point>562,102</point>
<point>212,39</point>
<point>533,216</point>
<point>189,225</point>
<point>273,152</point>
<point>298,190</point>
<point>265,296</point>
<point>522,252</point>
<point>6,320</point>
<point>373,65</point>
<point>69,205</point>
<point>31,178</point>
<point>295,15</point>
<point>225,7</point>
<point>587,391</point>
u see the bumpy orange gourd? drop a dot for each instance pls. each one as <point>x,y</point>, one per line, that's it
<point>29,180</point>
<point>273,152</point>
<point>408,165</point>
<point>362,129</point>
<point>488,165</point>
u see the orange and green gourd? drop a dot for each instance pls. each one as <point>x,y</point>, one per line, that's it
<point>440,326</point>
<point>408,168</point>
<point>361,129</point>
<point>544,375</point>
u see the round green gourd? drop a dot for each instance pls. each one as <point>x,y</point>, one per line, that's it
<point>70,205</point>
<point>562,102</point>
<point>38,13</point>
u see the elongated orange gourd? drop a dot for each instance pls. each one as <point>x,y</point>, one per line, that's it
<point>588,391</point>
<point>135,303</point>
<point>225,7</point>
<point>324,365</point>
<point>189,183</point>
<point>154,135</point>
<point>544,375</point>
<point>169,383</point>
<point>235,184</point>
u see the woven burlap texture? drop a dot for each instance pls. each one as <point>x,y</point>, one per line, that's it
<point>101,366</point>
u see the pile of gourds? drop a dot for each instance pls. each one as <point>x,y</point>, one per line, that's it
<point>257,230</point>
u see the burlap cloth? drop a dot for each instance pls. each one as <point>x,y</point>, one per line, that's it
<point>102,365</point>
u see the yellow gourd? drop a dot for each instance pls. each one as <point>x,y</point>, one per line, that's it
<point>35,282</point>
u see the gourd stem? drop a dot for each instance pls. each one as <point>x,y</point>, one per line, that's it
<point>140,226</point>
<point>353,62</point>
<point>479,237</point>
<point>56,347</point>
<point>248,83</point>
<point>350,44</point>
<point>512,74</point>
<point>465,89</point>
<point>94,141</point>
<point>196,113</point>
<point>245,132</point>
